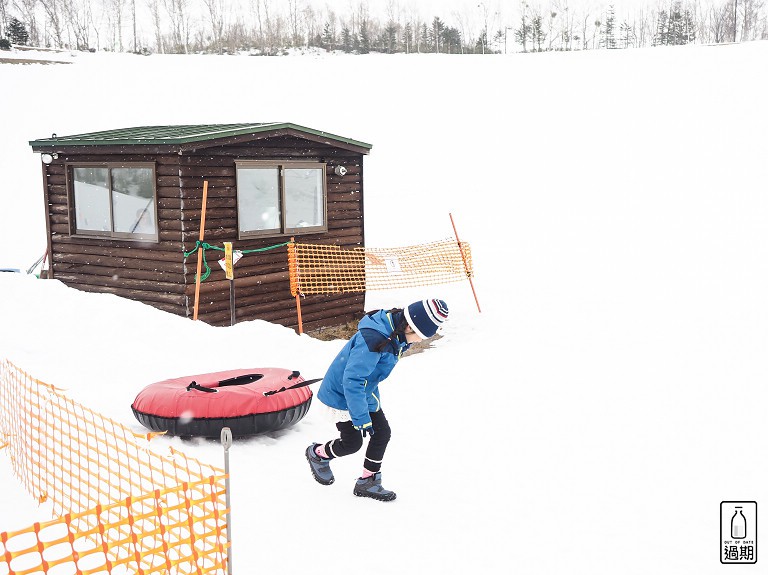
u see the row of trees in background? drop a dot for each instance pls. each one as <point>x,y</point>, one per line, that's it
<point>273,26</point>
<point>674,26</point>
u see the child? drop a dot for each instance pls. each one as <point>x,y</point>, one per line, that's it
<point>350,390</point>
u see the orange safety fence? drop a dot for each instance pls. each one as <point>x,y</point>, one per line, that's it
<point>168,531</point>
<point>96,473</point>
<point>325,269</point>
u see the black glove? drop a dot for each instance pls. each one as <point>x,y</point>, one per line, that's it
<point>367,429</point>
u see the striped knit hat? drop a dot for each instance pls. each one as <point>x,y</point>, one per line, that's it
<point>426,316</point>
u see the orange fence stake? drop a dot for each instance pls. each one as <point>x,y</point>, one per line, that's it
<point>466,268</point>
<point>200,250</point>
<point>298,313</point>
<point>293,272</point>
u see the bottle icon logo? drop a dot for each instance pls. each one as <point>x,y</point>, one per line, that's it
<point>738,532</point>
<point>738,524</point>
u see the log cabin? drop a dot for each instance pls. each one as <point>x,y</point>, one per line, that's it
<point>124,205</point>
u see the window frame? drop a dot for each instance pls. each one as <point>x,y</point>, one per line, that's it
<point>111,234</point>
<point>281,166</point>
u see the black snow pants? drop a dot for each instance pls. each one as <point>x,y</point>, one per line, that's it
<point>351,441</point>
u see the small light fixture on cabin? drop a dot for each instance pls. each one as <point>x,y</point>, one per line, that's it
<point>340,170</point>
<point>48,158</point>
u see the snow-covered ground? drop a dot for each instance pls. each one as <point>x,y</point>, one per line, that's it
<point>590,420</point>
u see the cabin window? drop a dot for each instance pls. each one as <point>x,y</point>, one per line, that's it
<point>280,198</point>
<point>114,200</point>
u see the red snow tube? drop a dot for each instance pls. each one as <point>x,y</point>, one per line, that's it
<point>248,401</point>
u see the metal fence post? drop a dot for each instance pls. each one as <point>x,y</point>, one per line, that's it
<point>226,442</point>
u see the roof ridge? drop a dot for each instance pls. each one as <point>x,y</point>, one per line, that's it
<point>180,134</point>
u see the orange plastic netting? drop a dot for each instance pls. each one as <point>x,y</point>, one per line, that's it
<point>177,530</point>
<point>323,269</point>
<point>118,503</point>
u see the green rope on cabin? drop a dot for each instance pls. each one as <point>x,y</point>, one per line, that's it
<point>207,246</point>
<point>264,249</point>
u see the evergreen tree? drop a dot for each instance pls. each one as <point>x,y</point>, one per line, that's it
<point>609,32</point>
<point>328,38</point>
<point>407,38</point>
<point>523,34</point>
<point>17,32</point>
<point>452,40</point>
<point>5,44</point>
<point>662,30</point>
<point>628,37</point>
<point>390,37</point>
<point>356,43</point>
<point>538,35</point>
<point>365,37</point>
<point>424,45</point>
<point>498,38</point>
<point>680,27</point>
<point>675,26</point>
<point>689,27</point>
<point>481,43</point>
<point>437,33</point>
<point>346,39</point>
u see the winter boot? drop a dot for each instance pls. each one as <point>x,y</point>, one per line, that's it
<point>371,487</point>
<point>321,468</point>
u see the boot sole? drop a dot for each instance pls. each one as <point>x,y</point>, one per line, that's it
<point>376,496</point>
<point>319,479</point>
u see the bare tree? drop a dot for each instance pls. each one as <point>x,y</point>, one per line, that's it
<point>270,26</point>
<point>216,17</point>
<point>596,32</point>
<point>262,23</point>
<point>751,10</point>
<point>551,26</point>
<point>115,10</point>
<point>722,23</point>
<point>702,24</point>
<point>154,11</point>
<point>523,33</point>
<point>54,17</point>
<point>178,13</point>
<point>566,33</point>
<point>312,25</point>
<point>3,15</point>
<point>97,27</point>
<point>294,22</point>
<point>465,28</point>
<point>79,19</point>
<point>393,11</point>
<point>360,14</point>
<point>763,27</point>
<point>236,34</point>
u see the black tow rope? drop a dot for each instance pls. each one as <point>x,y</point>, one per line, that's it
<point>250,379</point>
<point>197,386</point>
<point>295,386</point>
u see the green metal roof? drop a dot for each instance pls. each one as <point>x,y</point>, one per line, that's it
<point>169,135</point>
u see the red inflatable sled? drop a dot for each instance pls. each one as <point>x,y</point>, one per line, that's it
<point>248,401</point>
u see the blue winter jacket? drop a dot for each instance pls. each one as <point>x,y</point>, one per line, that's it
<point>352,380</point>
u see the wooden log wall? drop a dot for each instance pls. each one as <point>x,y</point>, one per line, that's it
<point>151,272</point>
<point>158,274</point>
<point>262,287</point>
